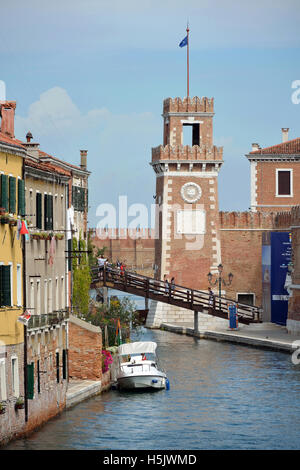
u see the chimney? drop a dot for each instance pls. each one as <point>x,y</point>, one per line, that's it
<point>7,113</point>
<point>28,136</point>
<point>285,134</point>
<point>32,147</point>
<point>255,147</point>
<point>83,159</point>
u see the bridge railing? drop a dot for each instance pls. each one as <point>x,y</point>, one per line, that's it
<point>175,294</point>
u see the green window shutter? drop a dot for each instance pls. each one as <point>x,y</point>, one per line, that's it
<point>82,198</point>
<point>5,286</point>
<point>21,198</point>
<point>51,213</point>
<point>46,211</point>
<point>4,192</point>
<point>30,380</point>
<point>38,210</point>
<point>12,194</point>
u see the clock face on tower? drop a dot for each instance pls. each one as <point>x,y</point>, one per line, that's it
<point>191,192</point>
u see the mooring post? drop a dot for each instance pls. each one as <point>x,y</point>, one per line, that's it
<point>195,321</point>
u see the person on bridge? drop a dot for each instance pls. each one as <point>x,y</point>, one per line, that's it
<point>122,269</point>
<point>166,282</point>
<point>101,263</point>
<point>172,284</point>
<point>211,299</point>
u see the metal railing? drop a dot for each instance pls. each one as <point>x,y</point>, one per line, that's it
<point>190,299</point>
<point>47,319</point>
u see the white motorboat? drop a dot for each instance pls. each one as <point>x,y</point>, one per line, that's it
<point>138,367</point>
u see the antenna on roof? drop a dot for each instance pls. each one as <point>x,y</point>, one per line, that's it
<point>2,91</point>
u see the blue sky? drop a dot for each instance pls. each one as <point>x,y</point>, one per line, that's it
<point>93,75</point>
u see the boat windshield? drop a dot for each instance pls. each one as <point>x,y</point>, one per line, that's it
<point>136,358</point>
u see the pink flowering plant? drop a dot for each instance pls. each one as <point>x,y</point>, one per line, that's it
<point>106,360</point>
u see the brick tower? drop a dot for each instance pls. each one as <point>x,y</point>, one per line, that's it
<point>187,244</point>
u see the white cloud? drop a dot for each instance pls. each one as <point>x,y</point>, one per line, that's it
<point>54,113</point>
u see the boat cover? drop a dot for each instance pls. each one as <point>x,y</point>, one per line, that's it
<point>138,347</point>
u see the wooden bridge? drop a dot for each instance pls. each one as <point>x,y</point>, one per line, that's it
<point>191,299</point>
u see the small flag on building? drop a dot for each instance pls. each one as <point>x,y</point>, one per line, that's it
<point>24,230</point>
<point>118,333</point>
<point>25,317</point>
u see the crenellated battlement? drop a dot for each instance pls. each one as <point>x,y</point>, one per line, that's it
<point>188,105</point>
<point>186,152</point>
<point>247,220</point>
<point>123,233</point>
<point>288,218</point>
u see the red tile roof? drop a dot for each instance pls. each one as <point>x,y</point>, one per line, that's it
<point>289,147</point>
<point>9,140</point>
<point>45,166</point>
<point>44,154</point>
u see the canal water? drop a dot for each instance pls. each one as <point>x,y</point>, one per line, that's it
<point>222,396</point>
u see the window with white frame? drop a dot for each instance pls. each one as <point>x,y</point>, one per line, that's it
<point>56,294</point>
<point>284,182</point>
<point>62,293</point>
<point>31,297</point>
<point>15,376</point>
<point>45,296</point>
<point>19,285</point>
<point>3,391</point>
<point>50,303</point>
<point>38,297</point>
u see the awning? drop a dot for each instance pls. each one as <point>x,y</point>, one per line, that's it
<point>138,347</point>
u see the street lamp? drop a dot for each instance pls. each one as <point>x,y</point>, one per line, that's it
<point>220,280</point>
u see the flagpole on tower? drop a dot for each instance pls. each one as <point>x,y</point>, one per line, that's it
<point>188,64</point>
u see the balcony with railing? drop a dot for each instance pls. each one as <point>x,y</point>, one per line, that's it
<point>48,320</point>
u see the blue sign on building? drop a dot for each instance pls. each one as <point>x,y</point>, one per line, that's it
<point>281,249</point>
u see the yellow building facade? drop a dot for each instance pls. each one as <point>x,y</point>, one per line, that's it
<point>11,257</point>
<point>12,213</point>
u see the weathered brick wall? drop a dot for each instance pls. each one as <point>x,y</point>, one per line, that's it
<point>50,400</point>
<point>12,421</point>
<point>241,242</point>
<point>85,350</point>
<point>134,248</point>
<point>266,186</point>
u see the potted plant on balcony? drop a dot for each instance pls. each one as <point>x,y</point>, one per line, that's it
<point>59,236</point>
<point>44,236</point>
<point>36,236</point>
<point>2,210</point>
<point>19,404</point>
<point>2,408</point>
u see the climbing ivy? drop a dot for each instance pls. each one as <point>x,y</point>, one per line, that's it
<point>81,278</point>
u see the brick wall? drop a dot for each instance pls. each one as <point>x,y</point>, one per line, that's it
<point>12,421</point>
<point>241,242</point>
<point>85,350</point>
<point>49,389</point>
<point>133,247</point>
<point>266,186</point>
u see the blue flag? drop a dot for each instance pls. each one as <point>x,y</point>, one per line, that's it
<point>184,42</point>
